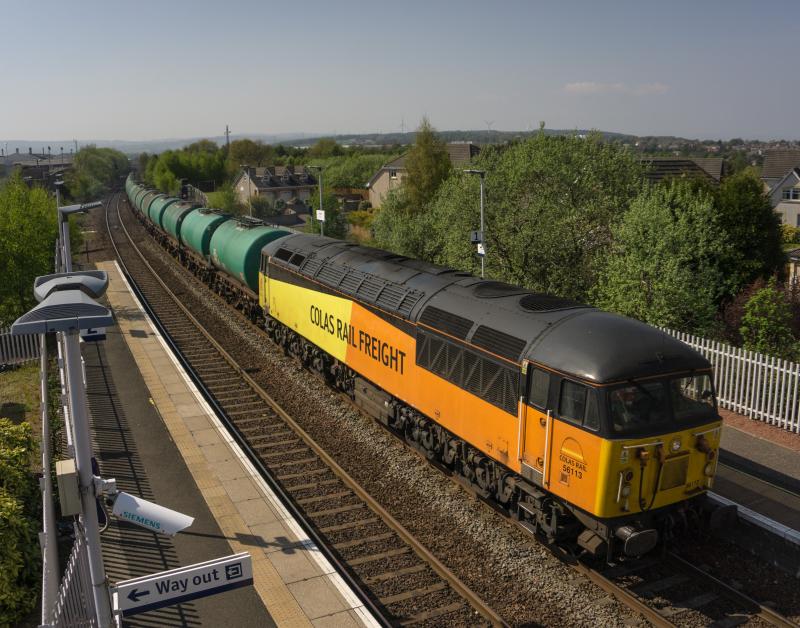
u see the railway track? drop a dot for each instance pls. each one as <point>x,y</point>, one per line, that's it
<point>670,591</point>
<point>398,578</point>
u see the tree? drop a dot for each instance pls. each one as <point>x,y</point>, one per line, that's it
<point>28,231</point>
<point>550,204</point>
<point>326,147</point>
<point>201,163</point>
<point>335,221</point>
<point>666,266</point>
<point>351,171</point>
<point>753,232</point>
<point>250,153</point>
<point>226,199</point>
<point>767,323</point>
<point>398,228</point>
<point>95,171</point>
<point>427,165</point>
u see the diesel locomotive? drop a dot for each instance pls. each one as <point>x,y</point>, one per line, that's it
<point>590,428</point>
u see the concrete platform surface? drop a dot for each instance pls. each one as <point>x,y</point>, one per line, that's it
<point>199,468</point>
<point>759,468</point>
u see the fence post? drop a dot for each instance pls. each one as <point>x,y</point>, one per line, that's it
<point>50,569</point>
<point>83,459</point>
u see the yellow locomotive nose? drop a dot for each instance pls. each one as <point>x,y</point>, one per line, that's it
<point>648,474</point>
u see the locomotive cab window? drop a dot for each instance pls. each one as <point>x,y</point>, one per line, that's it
<point>658,405</point>
<point>538,388</point>
<point>578,404</point>
<point>692,396</point>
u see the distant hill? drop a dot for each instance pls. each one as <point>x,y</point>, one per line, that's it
<point>295,139</point>
<point>648,144</point>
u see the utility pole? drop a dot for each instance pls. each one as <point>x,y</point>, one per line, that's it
<point>227,140</point>
<point>321,210</point>
<point>478,238</point>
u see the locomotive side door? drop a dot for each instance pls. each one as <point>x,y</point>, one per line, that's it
<point>536,427</point>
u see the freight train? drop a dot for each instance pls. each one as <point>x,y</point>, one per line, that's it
<point>593,430</point>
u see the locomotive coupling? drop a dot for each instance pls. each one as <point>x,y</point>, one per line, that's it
<point>636,542</point>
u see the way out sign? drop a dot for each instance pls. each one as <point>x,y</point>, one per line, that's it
<point>166,588</point>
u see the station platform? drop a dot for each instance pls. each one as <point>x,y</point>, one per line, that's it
<point>156,435</point>
<point>759,468</point>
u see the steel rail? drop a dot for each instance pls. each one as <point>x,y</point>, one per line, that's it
<point>623,596</point>
<point>764,612</point>
<point>442,571</point>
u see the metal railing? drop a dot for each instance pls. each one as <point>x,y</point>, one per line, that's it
<point>74,605</point>
<point>17,349</point>
<point>760,386</point>
<point>196,196</point>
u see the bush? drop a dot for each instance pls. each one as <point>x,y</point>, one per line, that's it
<point>767,323</point>
<point>789,234</point>
<point>262,208</point>
<point>20,560</point>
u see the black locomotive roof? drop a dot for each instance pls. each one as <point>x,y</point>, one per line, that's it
<point>506,320</point>
<point>604,347</point>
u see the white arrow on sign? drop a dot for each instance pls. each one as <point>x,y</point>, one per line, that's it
<point>166,588</point>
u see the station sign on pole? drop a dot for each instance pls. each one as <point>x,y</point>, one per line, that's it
<point>165,588</point>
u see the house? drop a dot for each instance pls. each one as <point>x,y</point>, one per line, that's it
<point>711,169</point>
<point>391,175</point>
<point>781,177</point>
<point>275,183</point>
<point>785,197</point>
<point>776,164</point>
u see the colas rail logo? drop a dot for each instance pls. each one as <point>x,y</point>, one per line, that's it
<point>368,344</point>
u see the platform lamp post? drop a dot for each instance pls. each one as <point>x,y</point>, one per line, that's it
<point>65,306</point>
<point>478,238</point>
<point>321,210</point>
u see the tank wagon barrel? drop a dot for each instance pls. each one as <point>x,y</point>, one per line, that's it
<point>236,248</point>
<point>198,227</point>
<point>173,217</point>
<point>157,208</point>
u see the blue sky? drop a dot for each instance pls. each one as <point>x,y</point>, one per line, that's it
<point>147,70</point>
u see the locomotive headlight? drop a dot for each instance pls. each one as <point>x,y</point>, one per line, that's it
<point>709,469</point>
<point>625,491</point>
<point>675,445</point>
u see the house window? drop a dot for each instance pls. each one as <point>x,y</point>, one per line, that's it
<point>393,174</point>
<point>791,194</point>
<point>797,220</point>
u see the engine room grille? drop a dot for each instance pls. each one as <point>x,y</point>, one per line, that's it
<point>447,322</point>
<point>537,302</point>
<point>674,472</point>
<point>498,342</point>
<point>385,294</point>
<point>484,377</point>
